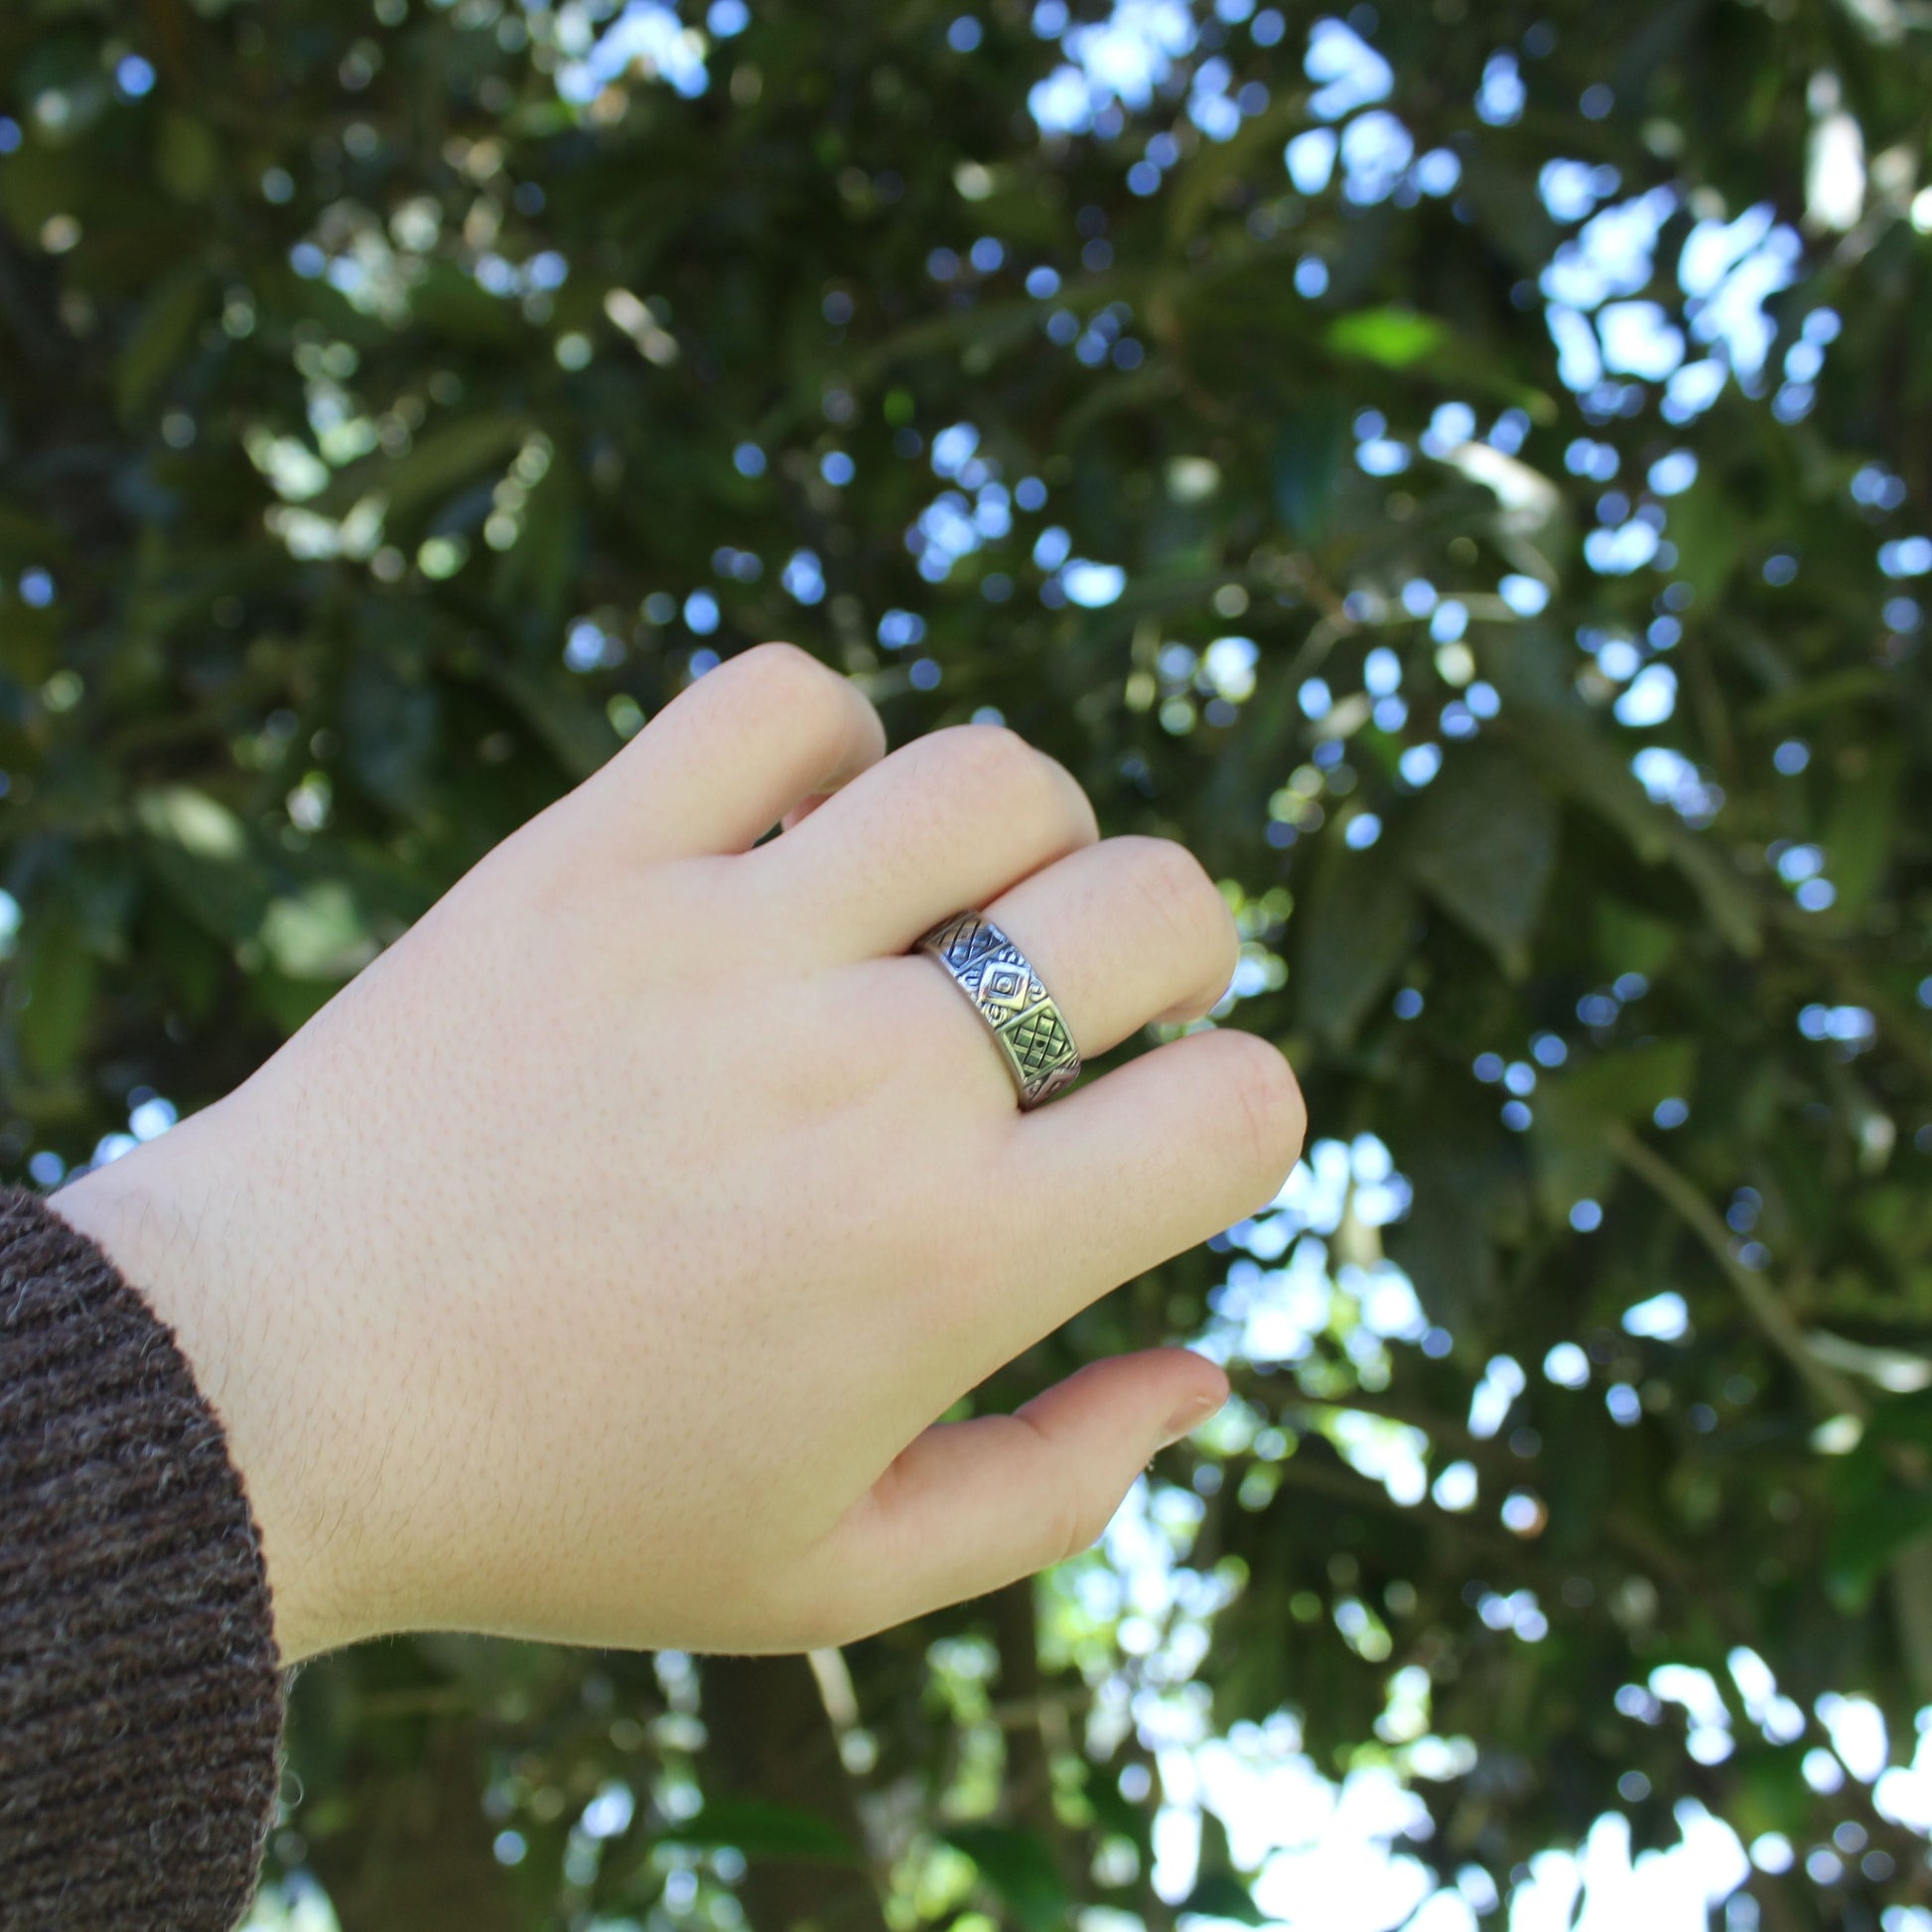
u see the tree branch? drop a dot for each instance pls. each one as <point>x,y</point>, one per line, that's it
<point>1027,1796</point>
<point>1761,1303</point>
<point>1343,1485</point>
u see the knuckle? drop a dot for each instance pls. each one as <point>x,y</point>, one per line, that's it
<point>787,675</point>
<point>780,662</point>
<point>996,759</point>
<point>992,754</point>
<point>1271,1115</point>
<point>1181,899</point>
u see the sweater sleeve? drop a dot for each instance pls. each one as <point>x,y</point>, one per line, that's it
<point>141,1701</point>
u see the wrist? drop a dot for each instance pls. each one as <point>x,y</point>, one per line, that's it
<point>174,1217</point>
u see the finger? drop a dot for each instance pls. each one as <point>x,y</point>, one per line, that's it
<point>734,751</point>
<point>1120,1174</point>
<point>948,821</point>
<point>1123,932</point>
<point>970,1506</point>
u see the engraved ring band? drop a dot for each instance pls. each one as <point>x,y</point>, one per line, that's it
<point>1008,994</point>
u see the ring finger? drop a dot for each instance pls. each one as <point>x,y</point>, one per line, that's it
<point>1122,933</point>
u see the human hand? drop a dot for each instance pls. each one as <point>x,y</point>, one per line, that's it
<point>593,1267</point>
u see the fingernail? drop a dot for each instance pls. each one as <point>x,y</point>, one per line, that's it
<point>1189,1416</point>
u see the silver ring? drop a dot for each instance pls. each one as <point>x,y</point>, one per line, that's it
<point>998,978</point>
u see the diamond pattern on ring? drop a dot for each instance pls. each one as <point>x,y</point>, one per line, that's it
<point>1000,980</point>
<point>967,937</point>
<point>1004,984</point>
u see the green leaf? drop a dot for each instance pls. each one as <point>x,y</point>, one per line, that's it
<point>1573,1162</point>
<point>27,539</point>
<point>986,329</point>
<point>763,1830</point>
<point>1578,1105</point>
<point>1020,1867</point>
<point>1880,1514</point>
<point>1483,845</point>
<point>317,933</point>
<point>533,578</point>
<point>1219,1894</point>
<point>185,157</point>
<point>224,897</point>
<point>1862,825</point>
<point>1872,1527</point>
<point>192,820</point>
<point>1394,337</point>
<point>1626,1085</point>
<point>578,733</point>
<point>1902,1418</point>
<point>1357,928</point>
<point>39,181</point>
<point>449,305</point>
<point>1214,165</point>
<point>445,458</point>
<point>56,975</point>
<point>160,338</point>
<point>1510,211</point>
<point>1304,466</point>
<point>1443,1244</point>
<point>1855,685</point>
<point>1704,526</point>
<point>1578,761</point>
<point>1633,940</point>
<point>200,854</point>
<point>390,715</point>
<point>1142,392</point>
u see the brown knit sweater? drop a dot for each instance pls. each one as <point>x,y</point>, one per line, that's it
<point>140,1695</point>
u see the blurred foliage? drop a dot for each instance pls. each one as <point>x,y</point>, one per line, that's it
<point>392,419</point>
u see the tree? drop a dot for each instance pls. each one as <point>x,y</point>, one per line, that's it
<point>1462,472</point>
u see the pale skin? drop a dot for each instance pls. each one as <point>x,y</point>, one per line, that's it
<point>594,1266</point>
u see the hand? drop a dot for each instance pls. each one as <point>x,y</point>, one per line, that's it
<point>593,1266</point>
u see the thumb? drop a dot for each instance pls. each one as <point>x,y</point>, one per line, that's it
<point>970,1506</point>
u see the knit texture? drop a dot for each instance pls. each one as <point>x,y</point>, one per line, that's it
<point>140,1696</point>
